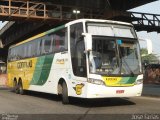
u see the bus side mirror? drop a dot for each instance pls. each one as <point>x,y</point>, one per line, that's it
<point>87,41</point>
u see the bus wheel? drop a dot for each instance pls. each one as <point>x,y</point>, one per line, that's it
<point>15,87</point>
<point>20,86</point>
<point>65,98</point>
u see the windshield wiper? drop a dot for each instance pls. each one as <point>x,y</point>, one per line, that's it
<point>131,72</point>
<point>121,62</point>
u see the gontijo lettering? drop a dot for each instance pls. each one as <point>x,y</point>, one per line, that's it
<point>27,64</point>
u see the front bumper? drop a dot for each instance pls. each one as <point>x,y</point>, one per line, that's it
<point>102,91</point>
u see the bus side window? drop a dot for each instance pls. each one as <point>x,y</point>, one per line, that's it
<point>29,50</point>
<point>57,43</point>
<point>25,51</point>
<point>16,54</point>
<point>38,47</point>
<point>59,40</point>
<point>52,37</point>
<point>46,45</point>
<point>13,54</point>
<point>9,55</point>
<point>33,50</point>
<point>21,51</point>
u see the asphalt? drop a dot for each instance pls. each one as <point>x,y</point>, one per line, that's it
<point>151,90</point>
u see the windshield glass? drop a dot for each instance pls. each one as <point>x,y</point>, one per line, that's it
<point>129,57</point>
<point>113,56</point>
<point>104,29</point>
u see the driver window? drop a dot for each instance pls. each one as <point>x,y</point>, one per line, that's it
<point>77,50</point>
<point>107,56</point>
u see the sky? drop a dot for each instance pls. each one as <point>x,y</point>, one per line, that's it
<point>153,8</point>
<point>2,24</point>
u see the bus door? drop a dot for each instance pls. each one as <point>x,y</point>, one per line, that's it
<point>78,56</point>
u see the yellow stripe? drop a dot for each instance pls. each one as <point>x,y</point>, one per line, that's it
<point>30,39</point>
<point>114,81</point>
<point>111,80</point>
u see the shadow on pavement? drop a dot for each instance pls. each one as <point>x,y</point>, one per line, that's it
<point>100,102</point>
<point>84,102</point>
<point>43,95</point>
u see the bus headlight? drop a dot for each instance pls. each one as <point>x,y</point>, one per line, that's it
<point>140,81</point>
<point>96,81</point>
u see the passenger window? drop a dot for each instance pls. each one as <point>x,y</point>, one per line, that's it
<point>25,51</point>
<point>59,40</point>
<point>30,50</point>
<point>38,48</point>
<point>46,45</point>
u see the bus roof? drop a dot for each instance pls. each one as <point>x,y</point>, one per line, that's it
<point>98,20</point>
<point>70,23</point>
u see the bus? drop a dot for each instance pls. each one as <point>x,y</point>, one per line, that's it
<point>85,58</point>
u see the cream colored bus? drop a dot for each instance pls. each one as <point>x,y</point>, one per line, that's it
<point>85,58</point>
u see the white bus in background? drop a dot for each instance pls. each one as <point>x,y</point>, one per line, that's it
<point>85,58</point>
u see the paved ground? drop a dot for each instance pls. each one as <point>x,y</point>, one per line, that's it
<point>152,90</point>
<point>39,106</point>
<point>79,109</point>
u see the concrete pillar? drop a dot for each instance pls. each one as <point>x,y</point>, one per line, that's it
<point>1,44</point>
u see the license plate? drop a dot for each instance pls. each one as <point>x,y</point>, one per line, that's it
<point>119,91</point>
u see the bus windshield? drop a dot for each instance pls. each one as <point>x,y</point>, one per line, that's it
<point>113,56</point>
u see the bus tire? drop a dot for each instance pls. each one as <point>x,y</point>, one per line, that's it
<point>15,87</point>
<point>20,86</point>
<point>65,98</point>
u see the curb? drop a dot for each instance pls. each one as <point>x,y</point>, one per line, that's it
<point>4,88</point>
<point>151,95</point>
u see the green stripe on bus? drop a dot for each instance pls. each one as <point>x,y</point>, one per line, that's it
<point>42,70</point>
<point>55,29</point>
<point>128,80</point>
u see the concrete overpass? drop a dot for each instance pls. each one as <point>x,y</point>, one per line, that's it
<point>28,18</point>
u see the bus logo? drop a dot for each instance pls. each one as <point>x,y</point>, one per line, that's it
<point>24,64</point>
<point>78,88</point>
